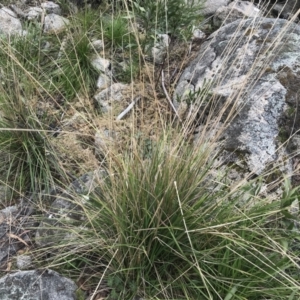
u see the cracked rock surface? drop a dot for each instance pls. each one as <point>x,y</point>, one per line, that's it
<point>36,285</point>
<point>253,78</point>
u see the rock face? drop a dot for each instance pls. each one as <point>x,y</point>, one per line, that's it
<point>252,67</point>
<point>37,285</point>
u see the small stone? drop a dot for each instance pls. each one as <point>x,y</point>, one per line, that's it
<point>114,93</point>
<point>34,13</point>
<point>24,262</point>
<point>10,211</point>
<point>211,6</point>
<point>103,82</point>
<point>160,48</point>
<point>198,34</point>
<point>98,45</point>
<point>55,24</point>
<point>101,64</point>
<point>51,8</point>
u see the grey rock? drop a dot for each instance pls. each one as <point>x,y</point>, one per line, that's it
<point>9,22</point>
<point>234,11</point>
<point>14,234</point>
<point>37,285</point>
<point>33,13</point>
<point>160,48</point>
<point>260,84</point>
<point>103,82</point>
<point>54,24</point>
<point>10,211</point>
<point>51,8</point>
<point>101,64</point>
<point>97,45</point>
<point>198,34</point>
<point>24,262</point>
<point>211,6</point>
<point>106,98</point>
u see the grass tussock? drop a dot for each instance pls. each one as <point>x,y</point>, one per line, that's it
<point>27,155</point>
<point>159,227</point>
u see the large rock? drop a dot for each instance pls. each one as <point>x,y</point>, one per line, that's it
<point>253,68</point>
<point>9,22</point>
<point>37,285</point>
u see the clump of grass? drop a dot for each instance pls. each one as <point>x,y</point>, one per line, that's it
<point>74,73</point>
<point>158,228</point>
<point>28,55</point>
<point>174,17</point>
<point>88,21</point>
<point>29,162</point>
<point>116,32</point>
